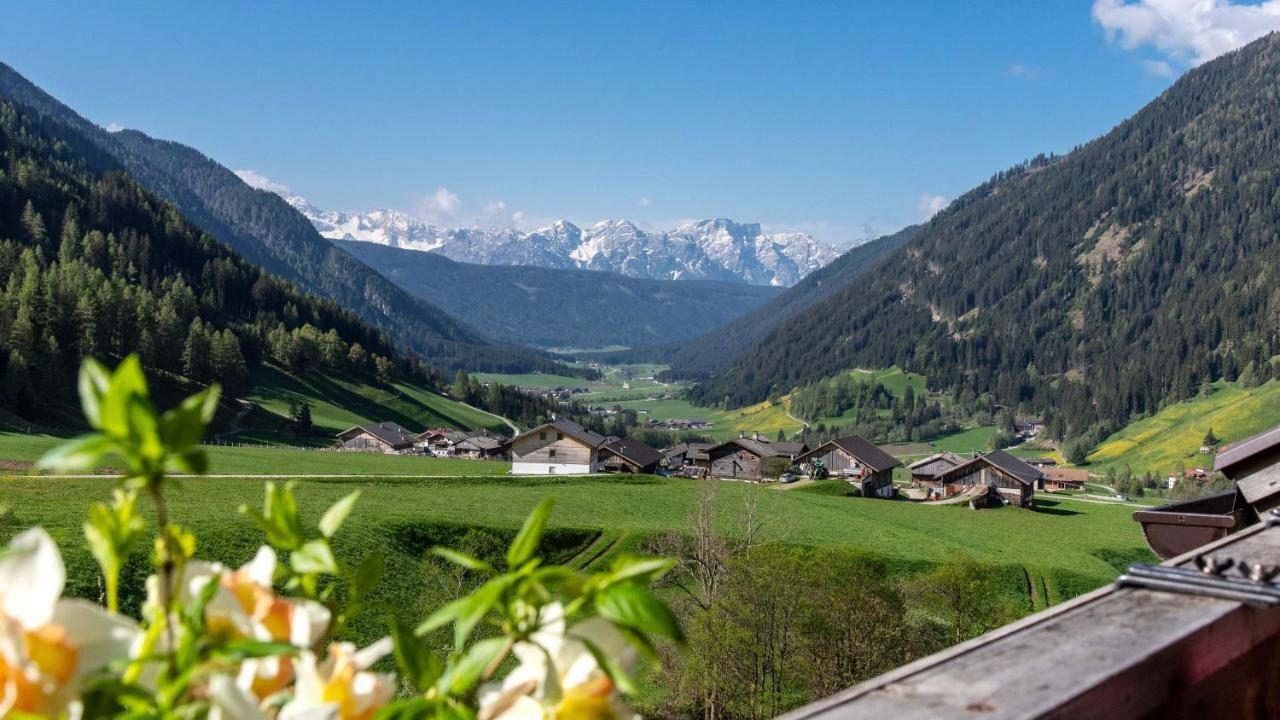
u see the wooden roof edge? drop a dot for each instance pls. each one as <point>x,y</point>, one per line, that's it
<point>948,684</point>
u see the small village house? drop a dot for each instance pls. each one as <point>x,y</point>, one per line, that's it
<point>740,458</point>
<point>383,437</point>
<point>1014,480</point>
<point>481,447</point>
<point>439,442</point>
<point>924,472</point>
<point>560,447</point>
<point>684,458</point>
<point>628,455</point>
<point>1060,478</point>
<point>857,460</point>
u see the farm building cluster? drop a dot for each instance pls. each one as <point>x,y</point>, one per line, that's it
<point>563,447</point>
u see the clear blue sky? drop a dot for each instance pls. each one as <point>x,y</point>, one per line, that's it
<point>826,116</point>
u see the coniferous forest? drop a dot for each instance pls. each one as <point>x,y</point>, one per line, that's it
<point>1092,287</point>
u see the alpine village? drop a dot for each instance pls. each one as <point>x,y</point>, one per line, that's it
<point>1010,452</point>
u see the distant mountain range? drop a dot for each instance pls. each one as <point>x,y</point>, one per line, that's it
<point>551,308</point>
<point>716,249</point>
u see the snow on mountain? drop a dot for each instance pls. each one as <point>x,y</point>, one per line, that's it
<point>716,249</point>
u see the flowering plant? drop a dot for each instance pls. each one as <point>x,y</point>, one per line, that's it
<point>267,639</point>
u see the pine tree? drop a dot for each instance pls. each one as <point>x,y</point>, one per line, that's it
<point>195,353</point>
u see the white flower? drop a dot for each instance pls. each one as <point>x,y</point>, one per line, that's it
<point>47,643</point>
<point>341,687</point>
<point>558,677</point>
<point>245,605</point>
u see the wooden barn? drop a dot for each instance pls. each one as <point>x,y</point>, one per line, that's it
<point>857,460</point>
<point>383,437</point>
<point>1015,480</point>
<point>686,458</point>
<point>741,458</point>
<point>560,447</point>
<point>628,455</point>
<point>481,447</point>
<point>924,473</point>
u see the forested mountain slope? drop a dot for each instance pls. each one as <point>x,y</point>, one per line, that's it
<point>266,231</point>
<point>547,307</point>
<point>1098,285</point>
<point>699,357</point>
<point>94,265</point>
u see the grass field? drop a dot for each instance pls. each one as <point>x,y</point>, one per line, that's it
<point>285,461</point>
<point>1174,434</point>
<point>965,442</point>
<point>765,418</point>
<point>1063,547</point>
<point>337,403</point>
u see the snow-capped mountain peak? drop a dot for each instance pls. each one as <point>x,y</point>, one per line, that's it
<point>714,249</point>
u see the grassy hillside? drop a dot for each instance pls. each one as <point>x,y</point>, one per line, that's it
<point>1174,434</point>
<point>765,418</point>
<point>1063,548</point>
<point>338,402</point>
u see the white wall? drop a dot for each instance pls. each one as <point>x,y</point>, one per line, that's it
<point>537,468</point>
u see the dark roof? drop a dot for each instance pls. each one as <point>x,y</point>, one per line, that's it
<point>388,432</point>
<point>569,428</point>
<point>1268,441</point>
<point>635,451</point>
<point>1038,461</point>
<point>790,449</point>
<point>452,436</point>
<point>1001,460</point>
<point>755,447</point>
<point>863,450</point>
<point>948,456</point>
<point>483,442</point>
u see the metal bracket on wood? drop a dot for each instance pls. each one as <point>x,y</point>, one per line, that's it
<point>1254,586</point>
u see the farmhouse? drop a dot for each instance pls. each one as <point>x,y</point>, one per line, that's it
<point>738,458</point>
<point>628,455</point>
<point>684,458</point>
<point>384,437</point>
<point>1013,479</point>
<point>858,460</point>
<point>557,447</point>
<point>438,442</point>
<point>923,472</point>
<point>481,447</point>
<point>1060,478</point>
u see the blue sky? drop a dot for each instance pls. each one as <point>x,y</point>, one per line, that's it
<point>839,118</point>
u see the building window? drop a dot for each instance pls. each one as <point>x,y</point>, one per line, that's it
<point>559,436</point>
<point>551,452</point>
<point>542,436</point>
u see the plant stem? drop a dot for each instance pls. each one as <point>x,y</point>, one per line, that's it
<point>166,566</point>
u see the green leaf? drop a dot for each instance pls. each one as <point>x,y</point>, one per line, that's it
<point>526,541</point>
<point>183,427</point>
<point>79,455</point>
<point>462,675</point>
<point>636,608</point>
<point>462,559</point>
<point>368,573</point>
<point>314,557</point>
<point>639,569</point>
<point>414,657</point>
<point>443,615</point>
<point>476,606</point>
<point>194,461</point>
<point>337,514</point>
<point>246,648</point>
<point>127,382</point>
<point>93,384</point>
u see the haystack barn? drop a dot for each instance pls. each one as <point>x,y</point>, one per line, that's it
<point>1015,480</point>
<point>560,447</point>
<point>742,458</point>
<point>628,455</point>
<point>383,437</point>
<point>925,472</point>
<point>857,460</point>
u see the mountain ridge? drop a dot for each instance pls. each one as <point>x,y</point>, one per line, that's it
<point>268,232</point>
<point>1094,287</point>
<point>712,249</point>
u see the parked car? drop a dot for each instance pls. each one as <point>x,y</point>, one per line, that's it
<point>788,477</point>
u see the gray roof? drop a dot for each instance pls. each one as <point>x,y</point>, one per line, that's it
<point>790,449</point>
<point>569,428</point>
<point>1266,442</point>
<point>946,456</point>
<point>388,432</point>
<point>483,442</point>
<point>861,449</point>
<point>1003,461</point>
<point>633,450</point>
